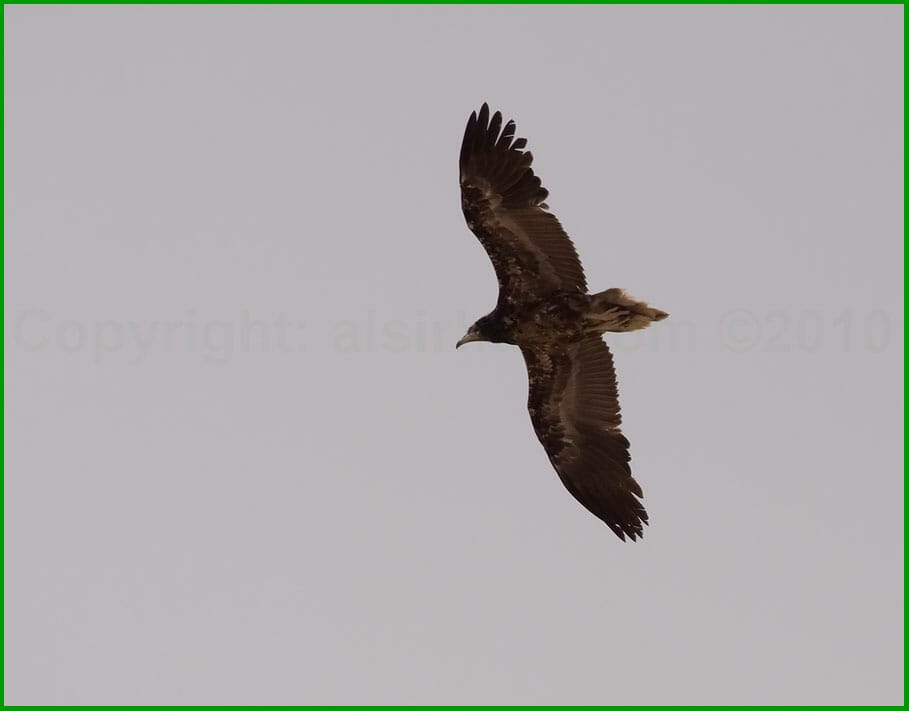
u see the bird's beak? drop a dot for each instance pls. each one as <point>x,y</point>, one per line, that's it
<point>469,337</point>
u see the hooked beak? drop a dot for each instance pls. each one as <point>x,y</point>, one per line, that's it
<point>469,337</point>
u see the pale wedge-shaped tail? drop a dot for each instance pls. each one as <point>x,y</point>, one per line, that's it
<point>614,310</point>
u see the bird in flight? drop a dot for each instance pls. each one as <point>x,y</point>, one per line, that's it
<point>545,309</point>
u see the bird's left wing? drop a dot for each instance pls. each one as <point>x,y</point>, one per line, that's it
<point>503,204</point>
<point>574,406</point>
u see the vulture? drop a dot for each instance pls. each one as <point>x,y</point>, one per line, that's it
<point>545,309</point>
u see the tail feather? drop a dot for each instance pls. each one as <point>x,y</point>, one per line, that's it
<point>614,310</point>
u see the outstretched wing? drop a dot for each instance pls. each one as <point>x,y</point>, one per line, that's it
<point>503,203</point>
<point>574,407</point>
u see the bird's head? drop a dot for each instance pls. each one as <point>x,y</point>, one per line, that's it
<point>482,330</point>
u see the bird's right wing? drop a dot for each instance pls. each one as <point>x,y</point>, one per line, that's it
<point>574,407</point>
<point>503,204</point>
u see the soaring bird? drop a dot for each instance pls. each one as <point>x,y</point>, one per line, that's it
<point>544,308</point>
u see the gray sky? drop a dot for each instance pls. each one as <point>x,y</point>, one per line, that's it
<point>244,461</point>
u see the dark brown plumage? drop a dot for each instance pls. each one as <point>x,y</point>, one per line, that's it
<point>544,308</point>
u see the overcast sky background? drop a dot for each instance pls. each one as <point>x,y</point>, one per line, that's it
<point>244,462</point>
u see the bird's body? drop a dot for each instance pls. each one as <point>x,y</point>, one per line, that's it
<point>544,308</point>
<point>567,317</point>
<point>559,317</point>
